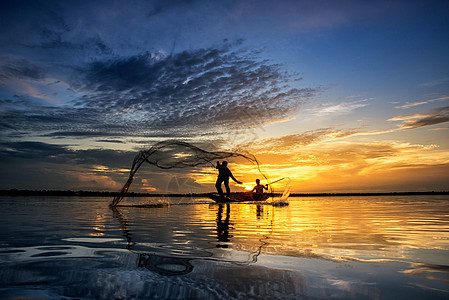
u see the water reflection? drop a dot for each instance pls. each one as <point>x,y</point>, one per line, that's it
<point>163,265</point>
<point>376,248</point>
<point>259,211</point>
<point>429,271</point>
<point>172,254</point>
<point>223,225</point>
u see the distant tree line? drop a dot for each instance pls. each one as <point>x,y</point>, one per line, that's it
<point>81,193</point>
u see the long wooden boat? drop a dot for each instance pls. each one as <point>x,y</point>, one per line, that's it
<point>239,197</point>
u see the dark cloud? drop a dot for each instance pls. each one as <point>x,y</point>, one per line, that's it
<point>107,89</point>
<point>21,69</point>
<point>158,7</point>
<point>52,153</point>
<point>110,141</point>
<point>30,150</point>
<point>92,45</point>
<point>204,89</point>
<point>38,165</point>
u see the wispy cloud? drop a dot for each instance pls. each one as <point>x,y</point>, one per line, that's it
<point>441,128</point>
<point>439,99</point>
<point>305,16</point>
<point>408,117</point>
<point>339,108</point>
<point>435,117</point>
<point>434,83</point>
<point>413,104</point>
<point>408,105</point>
<point>329,134</point>
<point>302,139</point>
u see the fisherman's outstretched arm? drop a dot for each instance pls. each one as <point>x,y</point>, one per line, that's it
<point>233,178</point>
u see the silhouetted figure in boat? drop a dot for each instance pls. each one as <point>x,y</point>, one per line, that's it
<point>258,190</point>
<point>223,177</point>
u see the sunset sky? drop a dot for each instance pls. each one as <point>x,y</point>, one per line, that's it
<point>339,96</point>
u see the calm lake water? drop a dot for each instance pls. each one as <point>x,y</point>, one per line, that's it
<point>393,247</point>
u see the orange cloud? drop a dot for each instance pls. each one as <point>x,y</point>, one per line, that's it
<point>326,165</point>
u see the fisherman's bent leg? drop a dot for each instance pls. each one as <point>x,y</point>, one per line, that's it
<point>218,187</point>
<point>228,190</point>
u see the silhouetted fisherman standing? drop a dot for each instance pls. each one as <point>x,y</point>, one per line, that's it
<point>223,177</point>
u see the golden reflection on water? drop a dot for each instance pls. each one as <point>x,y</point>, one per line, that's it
<point>335,228</point>
<point>341,247</point>
<point>368,235</point>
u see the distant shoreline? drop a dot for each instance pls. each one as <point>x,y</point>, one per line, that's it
<point>16,192</point>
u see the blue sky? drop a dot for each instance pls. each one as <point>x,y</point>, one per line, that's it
<point>89,83</point>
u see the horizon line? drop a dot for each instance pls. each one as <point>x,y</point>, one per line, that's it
<point>81,193</point>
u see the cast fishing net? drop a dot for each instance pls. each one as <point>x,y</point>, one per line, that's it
<point>177,154</point>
